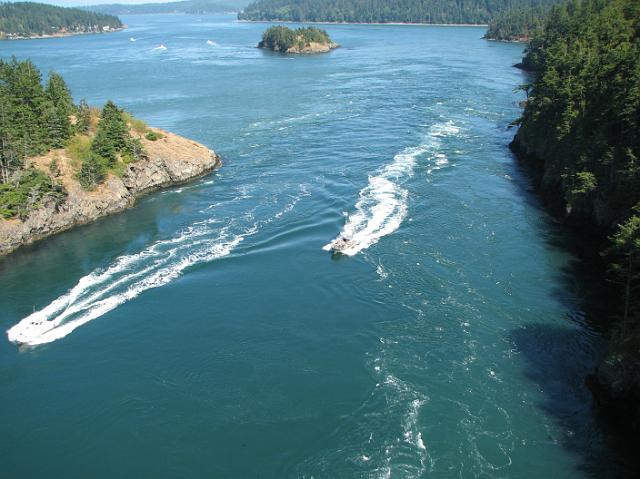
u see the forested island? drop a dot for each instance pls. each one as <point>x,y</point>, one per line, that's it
<point>580,130</point>
<point>301,40</point>
<point>478,12</point>
<point>36,20</point>
<point>190,7</point>
<point>63,164</point>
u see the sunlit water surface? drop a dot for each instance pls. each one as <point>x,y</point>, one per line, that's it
<point>206,333</point>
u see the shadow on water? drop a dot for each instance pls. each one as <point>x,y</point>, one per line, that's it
<point>559,357</point>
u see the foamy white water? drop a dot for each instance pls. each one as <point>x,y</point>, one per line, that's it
<point>382,204</point>
<point>102,291</point>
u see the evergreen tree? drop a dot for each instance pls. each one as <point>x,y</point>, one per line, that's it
<point>83,118</point>
<point>625,264</point>
<point>112,136</point>
<point>92,172</point>
<point>56,127</point>
<point>24,104</point>
<point>34,119</point>
<point>59,94</point>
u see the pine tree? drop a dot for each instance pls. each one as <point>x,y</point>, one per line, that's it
<point>59,94</point>
<point>83,118</point>
<point>56,127</point>
<point>625,266</point>
<point>92,172</point>
<point>57,115</point>
<point>112,136</point>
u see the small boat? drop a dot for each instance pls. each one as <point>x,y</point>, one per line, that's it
<point>341,244</point>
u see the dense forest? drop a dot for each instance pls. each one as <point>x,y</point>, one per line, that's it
<point>518,24</point>
<point>35,118</point>
<point>383,11</point>
<point>193,7</point>
<point>281,39</point>
<point>26,19</point>
<point>581,129</point>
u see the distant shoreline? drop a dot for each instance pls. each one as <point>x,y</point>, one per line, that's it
<point>520,40</point>
<point>372,23</point>
<point>62,34</point>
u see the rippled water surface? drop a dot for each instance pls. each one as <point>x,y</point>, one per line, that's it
<point>206,333</point>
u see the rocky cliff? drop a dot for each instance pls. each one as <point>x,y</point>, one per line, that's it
<point>169,160</point>
<point>306,48</point>
<point>313,47</point>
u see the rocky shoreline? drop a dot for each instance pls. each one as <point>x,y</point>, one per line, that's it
<point>309,48</point>
<point>524,39</point>
<point>169,161</point>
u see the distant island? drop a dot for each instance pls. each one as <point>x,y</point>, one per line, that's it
<point>63,164</point>
<point>475,12</point>
<point>190,7</point>
<point>302,40</point>
<point>22,20</point>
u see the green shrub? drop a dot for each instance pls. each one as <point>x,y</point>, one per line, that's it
<point>54,168</point>
<point>153,136</point>
<point>93,172</point>
<point>133,151</point>
<point>26,193</point>
<point>83,118</point>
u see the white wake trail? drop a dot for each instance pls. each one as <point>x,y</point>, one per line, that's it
<point>92,296</point>
<point>382,204</point>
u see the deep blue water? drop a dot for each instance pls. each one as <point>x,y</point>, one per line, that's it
<point>206,333</point>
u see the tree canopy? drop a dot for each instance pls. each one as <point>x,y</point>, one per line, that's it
<point>517,24</point>
<point>184,6</point>
<point>35,118</point>
<point>382,11</point>
<point>581,125</point>
<point>282,38</point>
<point>26,19</point>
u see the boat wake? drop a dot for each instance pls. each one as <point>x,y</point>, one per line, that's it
<point>377,444</point>
<point>128,276</point>
<point>103,290</point>
<point>382,204</point>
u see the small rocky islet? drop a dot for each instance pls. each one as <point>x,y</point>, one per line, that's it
<point>304,40</point>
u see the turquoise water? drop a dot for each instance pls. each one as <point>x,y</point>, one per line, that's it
<point>206,333</point>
